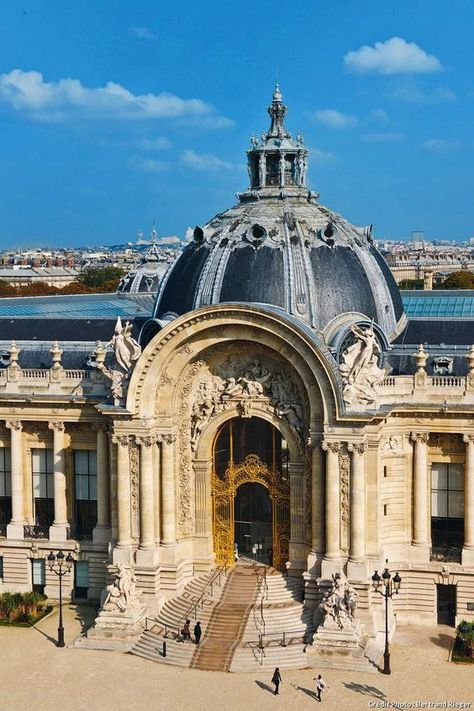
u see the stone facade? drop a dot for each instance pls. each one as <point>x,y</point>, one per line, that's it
<point>365,446</point>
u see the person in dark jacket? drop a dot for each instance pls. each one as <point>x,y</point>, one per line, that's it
<point>197,632</point>
<point>276,679</point>
<point>186,631</point>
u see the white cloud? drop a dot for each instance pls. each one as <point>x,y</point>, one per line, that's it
<point>388,137</point>
<point>154,144</point>
<point>394,56</point>
<point>148,165</point>
<point>413,95</point>
<point>141,33</point>
<point>28,92</point>
<point>440,146</point>
<point>322,156</point>
<point>378,115</point>
<point>334,119</point>
<point>204,161</point>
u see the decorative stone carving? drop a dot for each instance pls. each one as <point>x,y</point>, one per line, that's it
<point>420,437</point>
<point>56,426</point>
<point>244,380</point>
<point>122,595</point>
<point>393,444</point>
<point>339,604</point>
<point>126,352</point>
<point>359,368</point>
<point>333,447</point>
<point>134,488</point>
<point>344,468</point>
<point>14,425</point>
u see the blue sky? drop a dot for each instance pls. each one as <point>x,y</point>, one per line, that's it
<point>116,113</point>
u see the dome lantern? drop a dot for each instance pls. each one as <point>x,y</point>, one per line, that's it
<point>278,163</point>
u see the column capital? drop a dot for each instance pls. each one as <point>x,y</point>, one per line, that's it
<point>56,426</point>
<point>166,438</point>
<point>466,438</point>
<point>333,447</point>
<point>422,437</point>
<point>357,447</point>
<point>100,427</point>
<point>14,425</point>
<point>121,439</point>
<point>145,440</point>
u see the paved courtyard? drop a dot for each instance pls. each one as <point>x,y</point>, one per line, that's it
<point>35,674</point>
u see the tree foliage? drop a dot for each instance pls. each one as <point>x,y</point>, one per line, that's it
<point>101,277</point>
<point>459,280</point>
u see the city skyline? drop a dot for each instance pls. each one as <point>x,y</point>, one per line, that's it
<point>111,120</point>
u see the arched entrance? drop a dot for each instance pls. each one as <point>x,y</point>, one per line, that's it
<point>251,492</point>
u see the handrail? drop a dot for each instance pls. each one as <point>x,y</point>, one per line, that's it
<point>219,571</point>
<point>165,626</point>
<point>281,633</point>
<point>261,584</point>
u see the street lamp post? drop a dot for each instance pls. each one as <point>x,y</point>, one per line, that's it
<point>389,589</point>
<point>60,565</point>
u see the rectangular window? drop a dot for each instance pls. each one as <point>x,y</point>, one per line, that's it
<point>43,486</point>
<point>81,579</point>
<point>38,575</point>
<point>447,505</point>
<point>385,509</point>
<point>85,491</point>
<point>385,472</point>
<point>1,567</point>
<point>5,489</point>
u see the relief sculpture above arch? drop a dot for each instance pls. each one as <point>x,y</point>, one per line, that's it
<point>241,380</point>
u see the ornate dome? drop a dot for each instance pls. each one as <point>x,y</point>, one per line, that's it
<point>146,276</point>
<point>279,246</point>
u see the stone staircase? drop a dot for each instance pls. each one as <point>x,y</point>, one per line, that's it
<point>253,621</point>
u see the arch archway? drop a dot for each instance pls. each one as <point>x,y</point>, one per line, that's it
<point>250,453</point>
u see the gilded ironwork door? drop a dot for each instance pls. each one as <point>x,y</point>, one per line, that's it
<point>251,470</point>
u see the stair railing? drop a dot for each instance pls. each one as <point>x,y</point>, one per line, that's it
<point>282,637</point>
<point>192,610</point>
<point>216,579</point>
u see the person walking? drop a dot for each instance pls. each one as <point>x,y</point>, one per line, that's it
<point>320,686</point>
<point>197,632</point>
<point>186,631</point>
<point>276,679</point>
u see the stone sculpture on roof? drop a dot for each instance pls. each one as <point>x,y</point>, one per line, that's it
<point>359,368</point>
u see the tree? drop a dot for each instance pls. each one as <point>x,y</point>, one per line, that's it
<point>459,280</point>
<point>101,278</point>
<point>411,284</point>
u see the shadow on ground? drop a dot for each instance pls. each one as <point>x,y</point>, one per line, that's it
<point>365,689</point>
<point>264,686</point>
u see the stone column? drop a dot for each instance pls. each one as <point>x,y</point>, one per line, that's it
<point>156,489</point>
<point>124,541</point>
<point>101,533</point>
<point>332,556</point>
<point>59,530</point>
<point>356,567</point>
<point>168,497</point>
<point>147,511</point>
<point>421,489</point>
<point>468,547</point>
<point>15,528</point>
<point>317,499</point>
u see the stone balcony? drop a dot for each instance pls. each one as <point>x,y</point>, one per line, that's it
<point>443,390</point>
<point>55,381</point>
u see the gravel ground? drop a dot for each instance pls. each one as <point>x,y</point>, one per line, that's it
<point>36,675</point>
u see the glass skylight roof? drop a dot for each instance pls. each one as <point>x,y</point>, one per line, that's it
<point>87,306</point>
<point>443,305</point>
